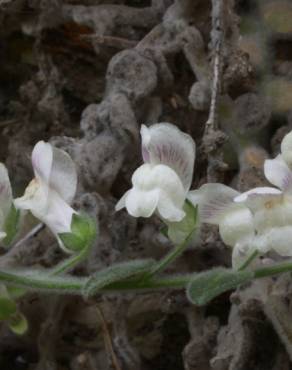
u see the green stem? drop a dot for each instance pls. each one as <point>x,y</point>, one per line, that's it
<point>170,257</point>
<point>273,270</point>
<point>249,259</point>
<point>70,262</point>
<point>38,280</point>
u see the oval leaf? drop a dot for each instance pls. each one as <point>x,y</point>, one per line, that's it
<point>116,273</point>
<point>207,285</point>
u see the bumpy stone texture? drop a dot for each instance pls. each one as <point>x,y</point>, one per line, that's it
<point>85,75</point>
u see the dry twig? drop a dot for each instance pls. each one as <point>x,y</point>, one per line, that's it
<point>108,340</point>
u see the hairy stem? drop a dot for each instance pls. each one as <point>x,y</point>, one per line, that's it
<point>70,262</point>
<point>39,280</point>
<point>170,257</point>
<point>273,270</point>
<point>248,261</point>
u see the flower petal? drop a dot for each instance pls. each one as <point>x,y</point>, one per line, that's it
<point>63,176</point>
<point>286,149</point>
<point>278,173</point>
<point>278,239</point>
<point>168,209</point>
<point>236,225</point>
<point>35,197</point>
<point>122,202</point>
<point>241,251</point>
<point>214,200</point>
<point>141,203</point>
<point>257,198</point>
<point>59,214</point>
<point>164,143</point>
<point>55,168</point>
<point>42,159</point>
<point>5,191</point>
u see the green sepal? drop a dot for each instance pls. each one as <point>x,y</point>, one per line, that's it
<point>118,272</point>
<point>18,323</point>
<point>11,225</point>
<point>72,242</point>
<point>7,307</point>
<point>180,231</point>
<point>83,232</point>
<point>207,285</point>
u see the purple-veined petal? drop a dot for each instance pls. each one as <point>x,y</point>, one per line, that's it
<point>259,197</point>
<point>5,191</point>
<point>286,149</point>
<point>278,173</point>
<point>214,200</point>
<point>164,143</point>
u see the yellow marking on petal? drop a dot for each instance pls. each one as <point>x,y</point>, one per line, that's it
<point>269,204</point>
<point>32,188</point>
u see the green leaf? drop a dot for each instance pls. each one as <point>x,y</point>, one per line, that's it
<point>118,272</point>
<point>7,307</point>
<point>179,231</point>
<point>207,285</point>
<point>11,225</point>
<point>72,242</point>
<point>18,323</point>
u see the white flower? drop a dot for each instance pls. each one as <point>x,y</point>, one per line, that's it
<point>272,208</point>
<point>49,194</point>
<point>5,199</point>
<point>161,184</point>
<point>216,206</point>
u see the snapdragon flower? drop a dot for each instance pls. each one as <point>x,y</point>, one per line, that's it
<point>6,200</point>
<point>161,184</point>
<point>49,194</point>
<point>272,207</point>
<point>236,226</point>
